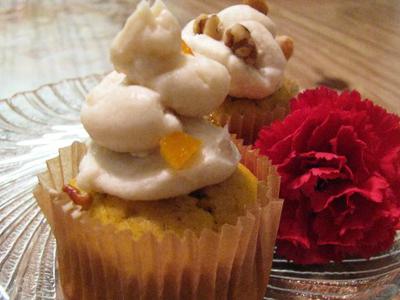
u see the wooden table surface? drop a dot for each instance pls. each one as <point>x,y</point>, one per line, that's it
<point>343,44</point>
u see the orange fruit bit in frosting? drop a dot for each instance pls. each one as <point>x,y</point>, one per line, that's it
<point>178,148</point>
<point>77,195</point>
<point>186,49</point>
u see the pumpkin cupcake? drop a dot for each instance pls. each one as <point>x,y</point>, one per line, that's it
<point>243,38</point>
<point>156,204</point>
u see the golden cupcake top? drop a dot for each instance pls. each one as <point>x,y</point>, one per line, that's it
<point>243,38</point>
<point>211,207</point>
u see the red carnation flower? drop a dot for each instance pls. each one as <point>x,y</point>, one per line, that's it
<point>339,158</point>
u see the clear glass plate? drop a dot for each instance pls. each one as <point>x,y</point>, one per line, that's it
<point>33,125</point>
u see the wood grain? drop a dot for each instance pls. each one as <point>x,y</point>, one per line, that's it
<point>341,43</point>
<point>357,42</point>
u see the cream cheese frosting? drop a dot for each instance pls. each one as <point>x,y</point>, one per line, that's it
<point>126,118</point>
<point>195,88</point>
<point>248,81</point>
<point>150,178</point>
<point>148,51</point>
<point>156,90</point>
<point>148,45</point>
<point>238,13</point>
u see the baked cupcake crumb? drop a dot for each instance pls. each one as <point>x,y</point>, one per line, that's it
<point>280,99</point>
<point>210,207</point>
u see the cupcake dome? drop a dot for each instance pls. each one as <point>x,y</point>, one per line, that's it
<point>210,207</point>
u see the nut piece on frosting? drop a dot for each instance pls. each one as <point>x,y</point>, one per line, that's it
<point>77,195</point>
<point>239,39</point>
<point>209,25</point>
<point>254,57</point>
<point>287,45</point>
<point>260,5</point>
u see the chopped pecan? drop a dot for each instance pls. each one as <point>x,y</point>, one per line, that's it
<point>209,25</point>
<point>78,196</point>
<point>260,5</point>
<point>286,44</point>
<point>239,39</point>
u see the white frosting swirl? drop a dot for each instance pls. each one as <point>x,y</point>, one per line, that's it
<point>254,82</point>
<point>150,178</point>
<point>157,88</point>
<point>126,118</point>
<point>148,51</point>
<point>148,44</point>
<point>195,88</point>
<point>241,12</point>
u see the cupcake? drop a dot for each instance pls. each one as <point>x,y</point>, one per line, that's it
<point>243,38</point>
<point>160,203</point>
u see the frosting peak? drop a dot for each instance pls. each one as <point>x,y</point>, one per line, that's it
<point>150,36</point>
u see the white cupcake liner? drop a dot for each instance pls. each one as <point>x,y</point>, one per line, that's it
<point>98,261</point>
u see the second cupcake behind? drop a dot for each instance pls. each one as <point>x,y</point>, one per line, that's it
<point>243,38</point>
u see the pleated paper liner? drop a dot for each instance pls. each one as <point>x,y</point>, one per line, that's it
<point>97,261</point>
<point>246,119</point>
